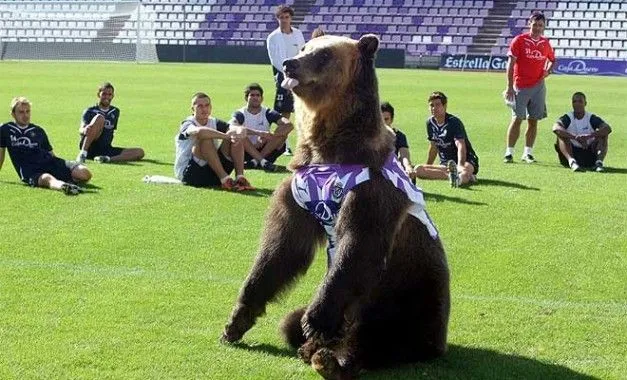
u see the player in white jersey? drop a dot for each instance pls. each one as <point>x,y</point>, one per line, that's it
<point>208,149</point>
<point>283,43</point>
<point>582,137</point>
<point>263,146</point>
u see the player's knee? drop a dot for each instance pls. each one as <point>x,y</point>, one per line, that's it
<point>81,174</point>
<point>139,153</point>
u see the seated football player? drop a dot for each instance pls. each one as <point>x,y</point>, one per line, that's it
<point>97,128</point>
<point>32,155</point>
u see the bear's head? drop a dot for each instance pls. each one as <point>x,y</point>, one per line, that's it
<point>337,102</point>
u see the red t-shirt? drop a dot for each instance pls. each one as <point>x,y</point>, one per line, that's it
<point>531,55</point>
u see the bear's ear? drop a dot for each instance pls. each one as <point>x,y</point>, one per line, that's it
<point>368,45</point>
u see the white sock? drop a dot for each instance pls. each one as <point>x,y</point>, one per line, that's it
<point>263,161</point>
<point>239,176</point>
<point>528,151</point>
<point>83,153</point>
<point>255,162</point>
<point>509,151</point>
<point>570,162</point>
<point>223,180</point>
<point>599,162</point>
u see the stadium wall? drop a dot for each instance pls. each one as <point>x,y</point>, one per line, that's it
<point>107,51</point>
<point>572,66</point>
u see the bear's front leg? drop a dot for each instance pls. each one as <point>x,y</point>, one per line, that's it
<point>369,219</point>
<point>286,251</point>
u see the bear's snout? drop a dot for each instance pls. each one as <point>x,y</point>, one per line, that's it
<point>290,65</point>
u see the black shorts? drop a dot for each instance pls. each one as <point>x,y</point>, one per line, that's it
<point>100,150</point>
<point>56,167</point>
<point>475,164</point>
<point>284,99</point>
<point>203,176</point>
<point>271,157</point>
<point>585,158</point>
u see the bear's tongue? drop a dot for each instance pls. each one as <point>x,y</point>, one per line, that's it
<point>289,83</point>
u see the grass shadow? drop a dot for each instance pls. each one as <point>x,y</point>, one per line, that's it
<point>266,349</point>
<point>478,363</point>
<point>90,186</point>
<point>611,170</point>
<point>498,182</point>
<point>431,197</point>
<point>156,162</point>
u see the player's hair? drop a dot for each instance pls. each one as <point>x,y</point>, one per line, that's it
<point>579,93</point>
<point>537,16</point>
<point>284,9</point>
<point>104,86</point>
<point>387,107</point>
<point>18,100</point>
<point>317,32</point>
<point>199,95</point>
<point>252,87</point>
<point>438,95</point>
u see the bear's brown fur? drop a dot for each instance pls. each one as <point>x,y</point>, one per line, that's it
<point>385,298</point>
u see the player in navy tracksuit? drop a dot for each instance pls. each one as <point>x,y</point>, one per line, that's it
<point>97,128</point>
<point>32,156</point>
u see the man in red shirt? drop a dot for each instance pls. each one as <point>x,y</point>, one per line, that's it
<point>531,59</point>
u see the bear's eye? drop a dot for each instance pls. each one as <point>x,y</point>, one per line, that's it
<point>323,57</point>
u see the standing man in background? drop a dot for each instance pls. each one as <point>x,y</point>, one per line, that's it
<point>531,59</point>
<point>283,43</point>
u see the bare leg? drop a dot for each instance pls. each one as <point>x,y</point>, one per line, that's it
<point>532,131</point>
<point>236,153</point>
<point>431,172</point>
<point>513,131</point>
<point>566,148</point>
<point>81,174</point>
<point>466,173</point>
<point>205,150</point>
<point>129,154</point>
<point>94,131</point>
<point>272,145</point>
<point>601,147</point>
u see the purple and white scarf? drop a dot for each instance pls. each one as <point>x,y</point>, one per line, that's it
<point>320,189</point>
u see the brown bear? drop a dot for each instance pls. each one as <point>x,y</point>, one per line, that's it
<point>385,297</point>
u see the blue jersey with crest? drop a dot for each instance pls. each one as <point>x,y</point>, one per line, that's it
<point>444,137</point>
<point>111,116</point>
<point>27,146</point>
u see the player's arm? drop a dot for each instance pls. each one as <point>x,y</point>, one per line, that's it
<point>601,128</point>
<point>275,52</point>
<point>509,90</point>
<point>204,133</point>
<point>403,156</point>
<point>433,152</point>
<point>461,151</point>
<point>560,128</point>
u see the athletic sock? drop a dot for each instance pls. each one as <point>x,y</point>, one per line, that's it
<point>223,180</point>
<point>509,151</point>
<point>239,176</point>
<point>255,162</point>
<point>528,151</point>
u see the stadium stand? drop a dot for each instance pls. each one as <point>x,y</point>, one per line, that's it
<point>419,27</point>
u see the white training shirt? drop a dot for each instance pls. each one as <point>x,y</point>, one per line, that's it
<point>581,126</point>
<point>260,121</point>
<point>184,144</point>
<point>282,46</point>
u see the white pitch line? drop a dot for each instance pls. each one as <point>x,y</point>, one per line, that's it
<point>559,304</point>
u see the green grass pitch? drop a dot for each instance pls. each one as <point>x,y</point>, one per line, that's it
<point>136,281</point>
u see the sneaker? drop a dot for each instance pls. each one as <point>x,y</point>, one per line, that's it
<point>508,159</point>
<point>81,158</point>
<point>102,159</point>
<point>575,166</point>
<point>228,185</point>
<point>250,164</point>
<point>451,167</point>
<point>598,167</point>
<point>269,167</point>
<point>528,159</point>
<point>71,189</point>
<point>242,184</point>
